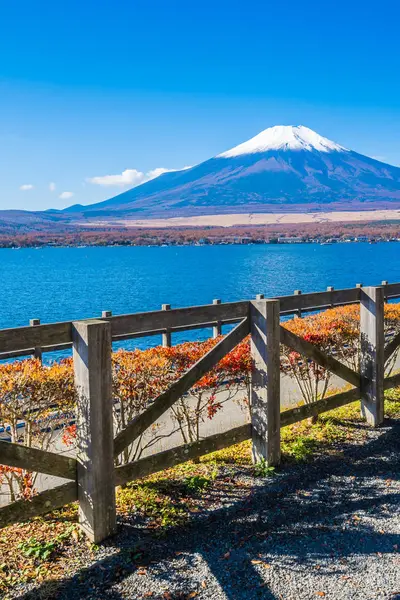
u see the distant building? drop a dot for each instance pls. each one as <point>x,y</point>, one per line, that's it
<point>290,240</point>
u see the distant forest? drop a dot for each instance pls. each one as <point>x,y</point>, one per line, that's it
<point>74,236</point>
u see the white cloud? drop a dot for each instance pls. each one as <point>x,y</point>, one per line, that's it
<point>52,186</point>
<point>26,187</point>
<point>66,195</point>
<point>130,177</point>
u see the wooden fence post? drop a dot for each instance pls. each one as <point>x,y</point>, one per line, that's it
<point>330,288</point>
<point>217,329</point>
<point>372,363</point>
<point>37,351</point>
<point>265,384</point>
<point>95,439</point>
<point>385,284</point>
<point>166,337</point>
<point>298,293</point>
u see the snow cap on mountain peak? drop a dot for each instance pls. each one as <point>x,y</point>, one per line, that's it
<point>284,137</point>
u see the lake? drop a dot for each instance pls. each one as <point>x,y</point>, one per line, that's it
<point>57,284</point>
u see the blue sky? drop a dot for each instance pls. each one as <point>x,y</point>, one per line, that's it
<point>96,89</point>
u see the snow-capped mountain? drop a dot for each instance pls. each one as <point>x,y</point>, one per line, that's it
<point>283,168</point>
<point>284,137</point>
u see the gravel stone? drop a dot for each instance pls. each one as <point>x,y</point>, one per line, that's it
<point>326,529</point>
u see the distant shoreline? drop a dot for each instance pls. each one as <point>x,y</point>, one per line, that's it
<point>262,228</point>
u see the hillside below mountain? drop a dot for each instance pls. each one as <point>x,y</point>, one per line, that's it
<point>282,169</point>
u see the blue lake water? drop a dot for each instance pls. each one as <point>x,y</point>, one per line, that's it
<point>56,284</point>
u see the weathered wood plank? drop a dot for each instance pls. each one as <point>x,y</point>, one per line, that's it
<point>294,415</point>
<point>50,334</point>
<point>393,290</point>
<point>28,352</point>
<point>265,381</point>
<point>311,351</point>
<point>31,351</point>
<point>313,309</point>
<point>55,347</point>
<point>207,325</point>
<point>23,510</point>
<point>40,461</point>
<point>118,338</point>
<point>318,299</point>
<point>31,337</point>
<point>372,362</point>
<point>153,332</point>
<point>177,317</point>
<point>165,400</point>
<point>180,454</point>
<point>95,473</point>
<point>391,346</point>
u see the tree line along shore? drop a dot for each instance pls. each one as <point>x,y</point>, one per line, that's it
<point>324,232</point>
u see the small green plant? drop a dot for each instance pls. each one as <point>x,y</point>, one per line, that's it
<point>261,469</point>
<point>301,449</point>
<point>42,550</point>
<point>197,483</point>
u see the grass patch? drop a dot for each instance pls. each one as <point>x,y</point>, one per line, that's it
<point>162,510</point>
<point>239,454</point>
<point>167,498</point>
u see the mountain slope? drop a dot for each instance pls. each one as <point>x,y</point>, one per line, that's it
<point>282,168</point>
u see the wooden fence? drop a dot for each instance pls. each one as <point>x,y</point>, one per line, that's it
<point>93,475</point>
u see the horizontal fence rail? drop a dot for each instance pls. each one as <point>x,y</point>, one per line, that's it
<point>45,502</point>
<point>33,459</point>
<point>96,470</point>
<point>174,456</point>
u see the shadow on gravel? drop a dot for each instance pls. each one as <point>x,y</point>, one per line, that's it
<point>305,517</point>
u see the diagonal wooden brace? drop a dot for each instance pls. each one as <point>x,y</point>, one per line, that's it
<point>165,400</point>
<point>327,362</point>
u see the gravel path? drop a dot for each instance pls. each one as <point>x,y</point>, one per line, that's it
<point>328,529</point>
